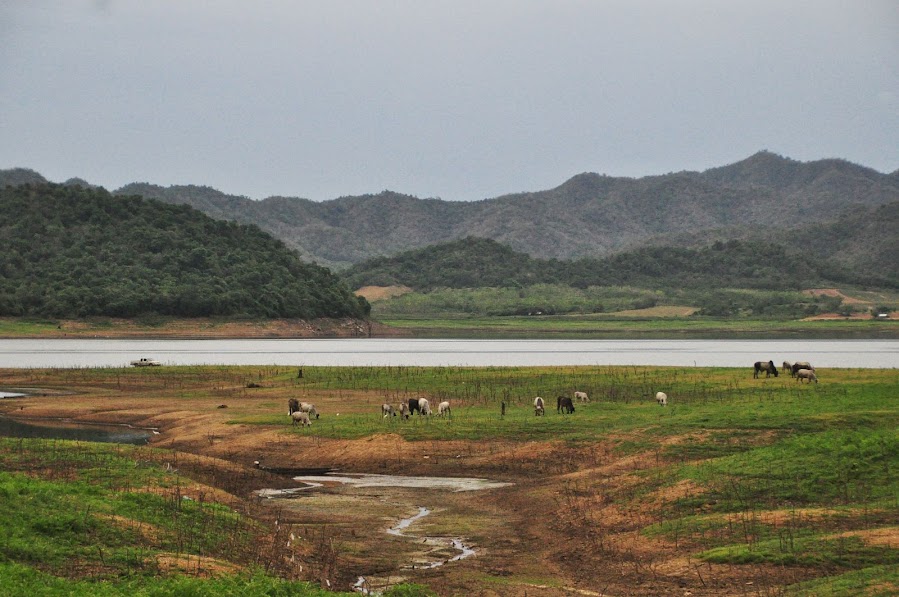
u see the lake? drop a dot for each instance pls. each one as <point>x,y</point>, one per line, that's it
<point>69,353</point>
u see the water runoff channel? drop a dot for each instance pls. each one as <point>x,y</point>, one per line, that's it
<point>458,545</point>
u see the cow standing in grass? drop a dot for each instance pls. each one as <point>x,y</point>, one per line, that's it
<point>769,368</point>
<point>300,418</point>
<point>801,365</point>
<point>564,405</point>
<point>806,374</point>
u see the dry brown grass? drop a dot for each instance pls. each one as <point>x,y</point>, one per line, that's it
<point>380,293</point>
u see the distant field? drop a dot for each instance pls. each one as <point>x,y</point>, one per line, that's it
<point>621,326</point>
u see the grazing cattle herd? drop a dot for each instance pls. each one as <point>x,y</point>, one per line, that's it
<point>302,413</point>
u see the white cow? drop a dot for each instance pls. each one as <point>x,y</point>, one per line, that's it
<point>539,407</point>
<point>309,408</point>
<point>300,418</point>
<point>806,374</point>
<point>387,410</point>
<point>424,406</point>
<point>444,408</point>
<point>581,397</point>
<point>662,398</point>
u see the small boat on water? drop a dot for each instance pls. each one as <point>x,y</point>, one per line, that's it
<point>144,362</point>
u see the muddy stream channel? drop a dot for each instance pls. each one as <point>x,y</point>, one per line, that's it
<point>405,492</point>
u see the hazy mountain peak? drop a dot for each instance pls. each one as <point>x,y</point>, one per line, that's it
<point>17,176</point>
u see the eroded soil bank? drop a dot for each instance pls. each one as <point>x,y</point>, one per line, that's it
<point>565,524</point>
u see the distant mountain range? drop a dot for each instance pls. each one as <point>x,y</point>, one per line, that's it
<point>808,205</point>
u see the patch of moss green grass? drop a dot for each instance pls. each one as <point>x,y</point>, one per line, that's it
<point>26,327</point>
<point>817,469</point>
<point>72,509</point>
<point>832,553</point>
<point>875,581</point>
<point>19,580</point>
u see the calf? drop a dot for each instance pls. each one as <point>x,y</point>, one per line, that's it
<point>387,410</point>
<point>539,407</point>
<point>662,398</point>
<point>581,397</point>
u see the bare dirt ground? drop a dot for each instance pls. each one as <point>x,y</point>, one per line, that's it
<point>837,293</point>
<point>379,293</point>
<point>570,523</point>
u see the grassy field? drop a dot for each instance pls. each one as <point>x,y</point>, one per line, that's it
<point>739,486</point>
<point>617,327</point>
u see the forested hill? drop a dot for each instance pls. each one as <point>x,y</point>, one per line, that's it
<point>590,215</point>
<point>72,251</point>
<point>476,263</point>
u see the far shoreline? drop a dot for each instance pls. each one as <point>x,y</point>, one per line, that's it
<point>522,328</point>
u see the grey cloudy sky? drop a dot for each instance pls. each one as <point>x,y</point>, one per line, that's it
<point>458,99</point>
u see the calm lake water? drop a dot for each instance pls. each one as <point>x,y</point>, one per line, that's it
<point>405,352</point>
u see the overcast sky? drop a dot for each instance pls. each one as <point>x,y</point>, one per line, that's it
<point>454,99</point>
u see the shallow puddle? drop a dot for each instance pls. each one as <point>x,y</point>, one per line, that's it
<point>119,434</point>
<point>372,480</point>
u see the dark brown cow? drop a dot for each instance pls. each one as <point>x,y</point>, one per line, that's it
<point>564,404</point>
<point>768,368</point>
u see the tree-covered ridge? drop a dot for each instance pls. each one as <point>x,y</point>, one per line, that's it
<point>71,251</point>
<point>590,215</point>
<point>478,263</point>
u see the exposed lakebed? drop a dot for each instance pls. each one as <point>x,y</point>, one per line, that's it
<point>432,551</point>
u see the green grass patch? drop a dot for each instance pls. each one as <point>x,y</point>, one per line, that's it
<point>70,509</point>
<point>18,579</point>
<point>842,552</point>
<point>833,467</point>
<point>875,581</point>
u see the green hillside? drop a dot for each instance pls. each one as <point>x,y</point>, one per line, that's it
<point>480,263</point>
<point>71,251</point>
<point>589,215</point>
